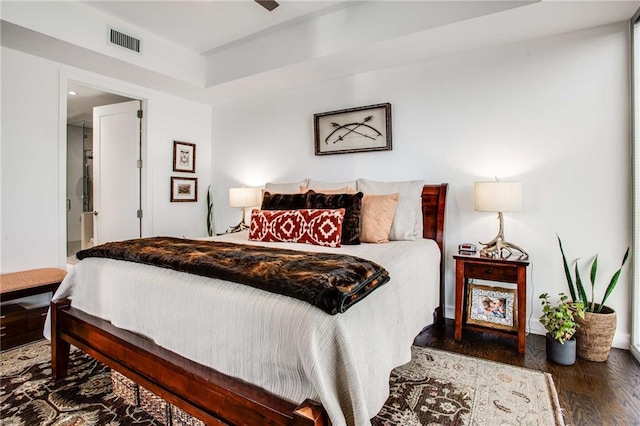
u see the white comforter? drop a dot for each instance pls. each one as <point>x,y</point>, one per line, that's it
<point>283,345</point>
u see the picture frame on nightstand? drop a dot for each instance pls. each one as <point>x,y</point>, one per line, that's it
<point>492,307</point>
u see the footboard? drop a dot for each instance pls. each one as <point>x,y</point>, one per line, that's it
<point>198,390</point>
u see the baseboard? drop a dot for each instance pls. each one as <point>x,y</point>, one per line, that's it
<point>635,351</point>
<point>620,340</point>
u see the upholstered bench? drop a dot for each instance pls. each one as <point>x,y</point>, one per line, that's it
<point>21,323</point>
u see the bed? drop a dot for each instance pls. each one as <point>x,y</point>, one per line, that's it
<point>342,360</point>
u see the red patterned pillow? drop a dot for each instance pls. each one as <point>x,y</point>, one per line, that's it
<point>311,226</point>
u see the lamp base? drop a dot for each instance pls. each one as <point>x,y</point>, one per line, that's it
<point>239,227</point>
<point>495,247</point>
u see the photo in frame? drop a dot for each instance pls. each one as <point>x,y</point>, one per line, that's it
<point>184,189</point>
<point>492,307</point>
<point>184,157</point>
<point>361,129</point>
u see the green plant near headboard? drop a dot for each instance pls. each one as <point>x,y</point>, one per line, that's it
<point>209,212</point>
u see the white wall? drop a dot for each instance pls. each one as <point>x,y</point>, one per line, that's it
<point>552,113</point>
<point>33,176</point>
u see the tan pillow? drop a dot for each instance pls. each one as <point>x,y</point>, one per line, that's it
<point>377,217</point>
<point>345,190</point>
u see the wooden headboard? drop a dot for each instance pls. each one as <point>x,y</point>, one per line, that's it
<point>434,199</point>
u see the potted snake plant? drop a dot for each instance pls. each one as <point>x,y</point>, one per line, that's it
<point>598,327</point>
<point>560,321</point>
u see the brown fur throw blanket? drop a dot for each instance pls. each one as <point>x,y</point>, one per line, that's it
<point>332,282</point>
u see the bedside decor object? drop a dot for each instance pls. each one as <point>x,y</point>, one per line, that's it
<point>498,196</point>
<point>561,324</point>
<point>184,189</point>
<point>243,198</point>
<point>361,129</point>
<point>598,327</point>
<point>492,307</point>
<point>184,157</point>
<point>466,248</point>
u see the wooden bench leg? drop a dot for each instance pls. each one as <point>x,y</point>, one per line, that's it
<point>59,348</point>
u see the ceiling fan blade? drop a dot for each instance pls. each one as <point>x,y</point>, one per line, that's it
<point>268,4</point>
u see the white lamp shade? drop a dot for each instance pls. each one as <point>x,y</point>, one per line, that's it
<point>243,197</point>
<point>498,196</point>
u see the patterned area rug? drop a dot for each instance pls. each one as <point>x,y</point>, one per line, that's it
<point>84,397</point>
<point>436,387</point>
<point>443,388</point>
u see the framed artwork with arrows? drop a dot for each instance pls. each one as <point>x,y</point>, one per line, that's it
<point>360,129</point>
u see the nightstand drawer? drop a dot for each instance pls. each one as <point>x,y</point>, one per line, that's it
<point>490,272</point>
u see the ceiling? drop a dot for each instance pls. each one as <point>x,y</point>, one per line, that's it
<point>202,26</point>
<point>239,50</point>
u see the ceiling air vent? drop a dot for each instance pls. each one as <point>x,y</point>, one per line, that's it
<point>124,40</point>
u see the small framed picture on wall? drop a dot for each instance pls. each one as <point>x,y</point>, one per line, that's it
<point>184,157</point>
<point>184,189</point>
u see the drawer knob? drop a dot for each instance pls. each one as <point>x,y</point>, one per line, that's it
<point>44,314</point>
<point>489,271</point>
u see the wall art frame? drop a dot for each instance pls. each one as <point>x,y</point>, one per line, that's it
<point>184,157</point>
<point>492,307</point>
<point>361,129</point>
<point>184,189</point>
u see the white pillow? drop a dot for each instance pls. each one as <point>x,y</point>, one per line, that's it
<point>316,184</point>
<point>407,222</point>
<point>285,188</point>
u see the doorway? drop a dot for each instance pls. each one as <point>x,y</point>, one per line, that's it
<point>80,191</point>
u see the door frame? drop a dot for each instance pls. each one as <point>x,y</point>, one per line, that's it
<point>634,345</point>
<point>119,88</point>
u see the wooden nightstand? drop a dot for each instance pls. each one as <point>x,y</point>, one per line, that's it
<point>508,270</point>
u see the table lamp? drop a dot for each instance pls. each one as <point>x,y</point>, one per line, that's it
<point>242,198</point>
<point>498,196</point>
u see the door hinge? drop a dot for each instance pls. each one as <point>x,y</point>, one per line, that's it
<point>139,113</point>
<point>139,164</point>
<point>139,214</point>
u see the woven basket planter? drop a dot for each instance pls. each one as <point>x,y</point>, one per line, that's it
<point>595,334</point>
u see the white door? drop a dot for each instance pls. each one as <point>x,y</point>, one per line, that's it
<point>116,181</point>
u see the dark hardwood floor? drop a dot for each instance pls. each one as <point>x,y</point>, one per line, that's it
<point>590,393</point>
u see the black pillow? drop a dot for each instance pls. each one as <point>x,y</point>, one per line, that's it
<point>283,201</point>
<point>352,203</point>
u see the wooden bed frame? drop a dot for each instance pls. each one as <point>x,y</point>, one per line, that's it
<point>201,391</point>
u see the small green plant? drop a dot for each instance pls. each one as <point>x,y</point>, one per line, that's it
<point>209,212</point>
<point>578,292</point>
<point>560,320</point>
